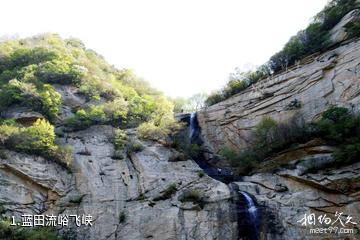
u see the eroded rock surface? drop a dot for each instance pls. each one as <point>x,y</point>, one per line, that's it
<point>285,197</point>
<point>121,195</point>
<point>332,78</point>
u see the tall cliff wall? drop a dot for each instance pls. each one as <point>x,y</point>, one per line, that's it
<point>330,78</point>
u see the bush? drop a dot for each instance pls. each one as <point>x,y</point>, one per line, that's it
<point>353,30</point>
<point>16,92</point>
<point>134,146</point>
<point>167,193</point>
<point>120,139</point>
<point>148,130</point>
<point>23,233</point>
<point>51,101</point>
<point>336,125</point>
<point>190,195</point>
<point>36,139</point>
<point>116,111</point>
<point>58,71</point>
<point>45,99</point>
<point>347,153</point>
<point>242,162</point>
<point>8,128</point>
<point>86,118</point>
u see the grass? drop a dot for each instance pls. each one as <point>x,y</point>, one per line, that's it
<point>167,193</point>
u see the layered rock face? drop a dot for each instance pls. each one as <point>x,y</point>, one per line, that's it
<point>293,192</point>
<point>300,180</point>
<point>120,195</point>
<point>331,78</point>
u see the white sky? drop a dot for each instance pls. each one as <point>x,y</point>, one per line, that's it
<point>180,46</point>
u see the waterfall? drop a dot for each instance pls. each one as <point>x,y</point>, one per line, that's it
<point>247,214</point>
<point>193,125</point>
<point>251,209</point>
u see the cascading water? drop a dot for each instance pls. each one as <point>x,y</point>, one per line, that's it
<point>193,126</point>
<point>244,207</point>
<point>252,212</point>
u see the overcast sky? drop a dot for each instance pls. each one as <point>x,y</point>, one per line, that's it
<point>180,46</point>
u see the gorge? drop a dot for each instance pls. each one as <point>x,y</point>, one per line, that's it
<point>79,137</point>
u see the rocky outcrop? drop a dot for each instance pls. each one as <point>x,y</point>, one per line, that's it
<point>128,198</point>
<point>285,197</point>
<point>331,78</point>
<point>22,115</point>
<point>303,179</point>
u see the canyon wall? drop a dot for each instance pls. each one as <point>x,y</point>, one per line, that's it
<point>305,90</point>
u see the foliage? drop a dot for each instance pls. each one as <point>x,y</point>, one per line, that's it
<point>242,162</point>
<point>348,153</point>
<point>24,233</point>
<point>190,195</point>
<point>86,118</point>
<point>36,139</point>
<point>315,38</point>
<point>51,101</point>
<point>167,193</point>
<point>44,99</point>
<point>336,125</point>
<point>353,30</point>
<point>120,139</point>
<point>134,146</point>
<point>340,127</point>
<point>29,65</point>
<point>149,130</point>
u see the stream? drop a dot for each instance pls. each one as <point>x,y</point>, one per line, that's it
<point>245,209</point>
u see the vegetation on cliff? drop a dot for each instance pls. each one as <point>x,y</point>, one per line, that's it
<point>25,233</point>
<point>338,127</point>
<point>31,71</point>
<point>315,38</point>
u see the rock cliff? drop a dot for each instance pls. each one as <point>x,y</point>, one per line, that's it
<point>300,180</point>
<point>331,78</point>
<point>122,196</point>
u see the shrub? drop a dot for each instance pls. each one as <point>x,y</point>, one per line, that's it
<point>51,101</point>
<point>116,111</point>
<point>16,92</point>
<point>61,155</point>
<point>242,162</point>
<point>120,139</point>
<point>8,128</point>
<point>134,146</point>
<point>353,30</point>
<point>90,91</point>
<point>38,138</point>
<point>46,99</point>
<point>58,71</point>
<point>167,193</point>
<point>190,195</point>
<point>22,233</point>
<point>336,125</point>
<point>86,118</point>
<point>148,130</point>
<point>347,153</point>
